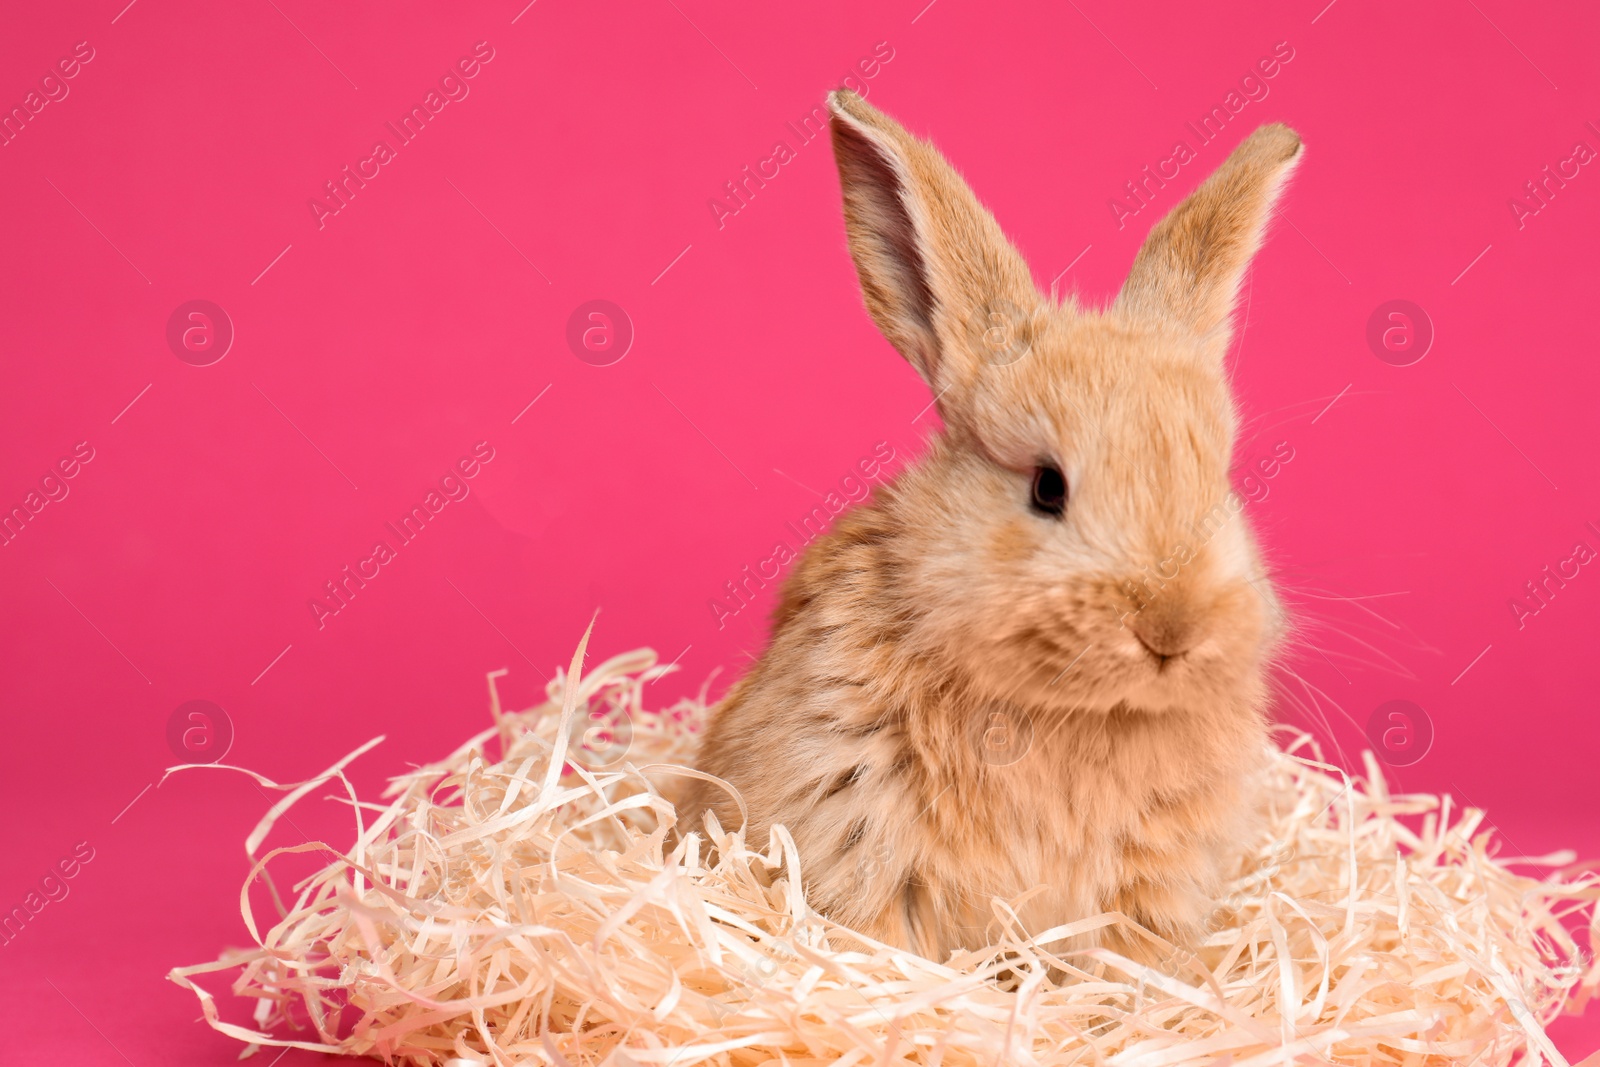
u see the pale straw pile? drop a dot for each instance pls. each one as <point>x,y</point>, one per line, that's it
<point>513,904</point>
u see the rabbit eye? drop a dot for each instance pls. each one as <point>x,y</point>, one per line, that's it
<point>1049,491</point>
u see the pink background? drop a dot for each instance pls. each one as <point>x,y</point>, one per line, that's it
<point>429,312</point>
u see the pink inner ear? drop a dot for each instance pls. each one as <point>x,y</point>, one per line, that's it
<point>867,172</point>
<point>884,242</point>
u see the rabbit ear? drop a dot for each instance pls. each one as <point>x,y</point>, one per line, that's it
<point>935,269</point>
<point>1190,266</point>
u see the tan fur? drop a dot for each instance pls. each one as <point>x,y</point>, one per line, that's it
<point>965,699</point>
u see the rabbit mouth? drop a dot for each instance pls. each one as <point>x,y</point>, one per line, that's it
<point>1164,659</point>
<point>1148,672</point>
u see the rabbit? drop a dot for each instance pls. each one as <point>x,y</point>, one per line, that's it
<point>1035,659</point>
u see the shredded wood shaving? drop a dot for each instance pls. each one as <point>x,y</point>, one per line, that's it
<point>517,903</point>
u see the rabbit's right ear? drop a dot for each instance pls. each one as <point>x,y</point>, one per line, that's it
<point>936,271</point>
<point>1190,267</point>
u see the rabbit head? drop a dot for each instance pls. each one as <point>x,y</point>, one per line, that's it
<point>1071,538</point>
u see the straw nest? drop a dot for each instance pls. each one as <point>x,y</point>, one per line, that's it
<point>517,903</point>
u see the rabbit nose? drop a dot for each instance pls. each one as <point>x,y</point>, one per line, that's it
<point>1166,636</point>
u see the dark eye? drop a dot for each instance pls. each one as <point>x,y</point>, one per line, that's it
<point>1049,491</point>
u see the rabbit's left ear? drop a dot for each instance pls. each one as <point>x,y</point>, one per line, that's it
<point>1191,265</point>
<point>939,277</point>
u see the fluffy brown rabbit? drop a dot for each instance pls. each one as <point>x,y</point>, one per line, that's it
<point>1036,658</point>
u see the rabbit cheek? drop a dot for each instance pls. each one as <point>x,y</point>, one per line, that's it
<point>1012,542</point>
<point>1245,620</point>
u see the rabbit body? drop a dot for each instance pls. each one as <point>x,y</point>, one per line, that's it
<point>971,693</point>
